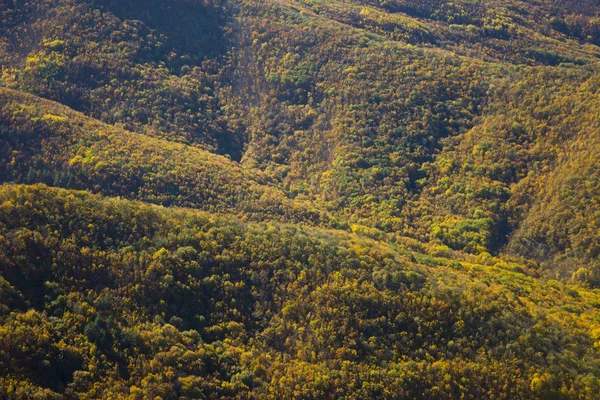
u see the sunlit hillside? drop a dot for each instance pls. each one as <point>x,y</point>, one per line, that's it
<point>299,199</point>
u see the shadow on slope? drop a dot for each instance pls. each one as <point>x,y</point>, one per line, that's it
<point>45,142</point>
<point>195,27</point>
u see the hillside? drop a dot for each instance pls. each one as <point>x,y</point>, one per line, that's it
<point>299,198</point>
<point>46,142</point>
<point>441,121</point>
<point>106,298</point>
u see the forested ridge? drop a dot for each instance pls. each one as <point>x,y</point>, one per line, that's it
<point>110,298</point>
<point>299,199</point>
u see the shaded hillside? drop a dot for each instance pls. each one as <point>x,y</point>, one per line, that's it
<point>46,142</point>
<point>482,185</point>
<point>150,67</point>
<point>562,227</point>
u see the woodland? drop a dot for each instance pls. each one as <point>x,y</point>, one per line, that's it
<point>299,199</point>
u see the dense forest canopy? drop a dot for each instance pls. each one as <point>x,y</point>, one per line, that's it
<point>299,199</point>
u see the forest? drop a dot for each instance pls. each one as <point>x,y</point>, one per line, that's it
<point>299,199</point>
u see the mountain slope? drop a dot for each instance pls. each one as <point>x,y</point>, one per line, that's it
<point>153,74</point>
<point>46,142</point>
<point>299,199</point>
<point>534,124</point>
<point>176,303</point>
<point>418,140</point>
<point>356,107</point>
